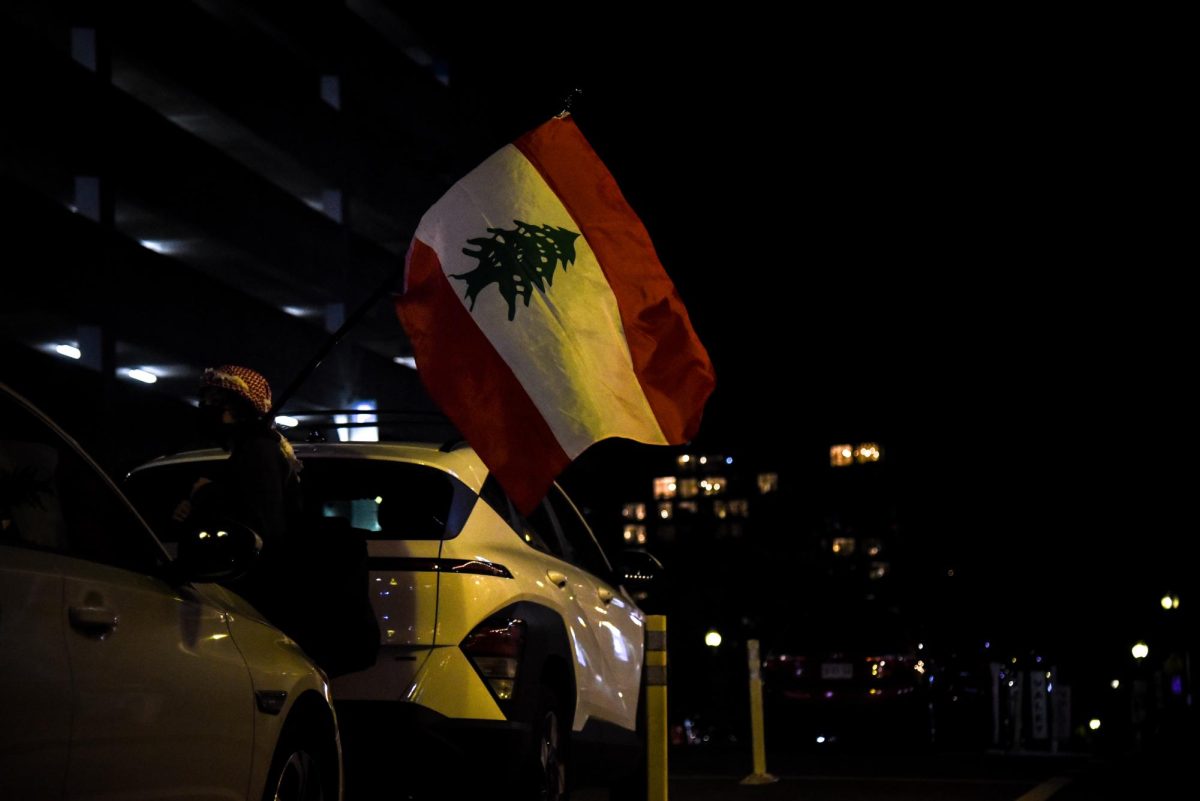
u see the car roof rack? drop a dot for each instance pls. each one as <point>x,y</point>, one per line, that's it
<point>389,425</point>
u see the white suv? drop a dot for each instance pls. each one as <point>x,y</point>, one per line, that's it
<point>506,641</point>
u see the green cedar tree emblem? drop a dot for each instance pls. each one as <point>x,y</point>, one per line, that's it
<point>518,260</point>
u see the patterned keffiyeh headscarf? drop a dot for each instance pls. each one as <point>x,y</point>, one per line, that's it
<point>252,386</point>
<point>242,381</point>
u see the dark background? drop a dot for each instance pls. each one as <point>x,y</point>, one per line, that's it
<point>960,237</point>
<point>965,237</point>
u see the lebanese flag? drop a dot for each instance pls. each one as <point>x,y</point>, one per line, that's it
<point>541,319</point>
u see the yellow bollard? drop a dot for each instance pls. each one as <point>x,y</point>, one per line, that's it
<point>760,775</point>
<point>656,707</point>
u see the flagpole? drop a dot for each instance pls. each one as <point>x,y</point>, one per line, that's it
<point>351,321</point>
<point>334,339</point>
<point>568,102</point>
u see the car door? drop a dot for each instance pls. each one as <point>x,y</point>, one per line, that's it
<point>614,621</point>
<point>161,703</point>
<point>35,679</point>
<point>161,690</point>
<point>35,676</point>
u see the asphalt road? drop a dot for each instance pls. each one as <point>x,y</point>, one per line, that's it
<point>1162,769</point>
<point>715,776</point>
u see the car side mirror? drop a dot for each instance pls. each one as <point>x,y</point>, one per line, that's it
<point>640,574</point>
<point>216,552</point>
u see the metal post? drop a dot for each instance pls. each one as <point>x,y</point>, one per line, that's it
<point>656,707</point>
<point>760,775</point>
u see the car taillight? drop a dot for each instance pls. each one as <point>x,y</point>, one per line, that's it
<point>896,667</point>
<point>495,648</point>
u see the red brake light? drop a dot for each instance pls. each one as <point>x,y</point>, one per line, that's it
<point>496,638</point>
<point>495,648</point>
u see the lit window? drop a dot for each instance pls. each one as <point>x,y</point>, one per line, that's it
<point>878,570</point>
<point>685,460</point>
<point>867,452</point>
<point>713,485</point>
<point>739,508</point>
<point>874,547</point>
<point>687,506</point>
<point>634,532</point>
<point>665,511</point>
<point>641,537</point>
<point>634,511</point>
<point>841,455</point>
<point>768,482</point>
<point>720,509</point>
<point>665,487</point>
<point>689,488</point>
<point>356,432</point>
<point>843,546</point>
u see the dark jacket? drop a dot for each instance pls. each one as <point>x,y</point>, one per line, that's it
<point>256,486</point>
<point>311,578</point>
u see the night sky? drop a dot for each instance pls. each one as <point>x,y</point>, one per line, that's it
<point>962,238</point>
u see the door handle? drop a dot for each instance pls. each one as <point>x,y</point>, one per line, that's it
<point>606,595</point>
<point>95,620</point>
<point>557,578</point>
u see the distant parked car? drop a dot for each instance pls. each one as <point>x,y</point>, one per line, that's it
<point>125,673</point>
<point>849,671</point>
<point>511,649</point>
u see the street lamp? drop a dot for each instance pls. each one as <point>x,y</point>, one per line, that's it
<point>1140,650</point>
<point>1170,602</point>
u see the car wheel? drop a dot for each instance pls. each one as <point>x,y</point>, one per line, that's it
<point>549,757</point>
<point>298,772</point>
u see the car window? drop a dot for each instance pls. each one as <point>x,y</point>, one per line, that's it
<point>581,547</point>
<point>384,499</point>
<point>545,538</point>
<point>536,530</point>
<point>155,494</point>
<point>389,500</point>
<point>54,499</point>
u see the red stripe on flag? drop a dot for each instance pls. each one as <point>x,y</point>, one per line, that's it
<point>671,364</point>
<point>464,368</point>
